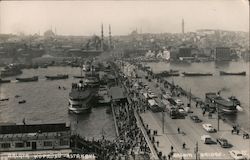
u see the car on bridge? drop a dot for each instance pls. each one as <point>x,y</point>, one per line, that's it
<point>237,155</point>
<point>224,143</point>
<point>207,139</point>
<point>209,128</point>
<point>195,119</point>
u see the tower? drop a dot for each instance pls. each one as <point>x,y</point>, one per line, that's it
<point>182,26</point>
<point>110,40</point>
<point>102,37</point>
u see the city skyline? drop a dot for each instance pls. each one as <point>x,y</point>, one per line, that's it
<point>86,17</point>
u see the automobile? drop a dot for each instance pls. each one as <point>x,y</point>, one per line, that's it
<point>237,155</point>
<point>152,95</point>
<point>208,127</point>
<point>223,143</point>
<point>179,102</point>
<point>182,111</point>
<point>207,139</point>
<point>195,118</point>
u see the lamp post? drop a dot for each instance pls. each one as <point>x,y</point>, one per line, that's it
<point>163,119</point>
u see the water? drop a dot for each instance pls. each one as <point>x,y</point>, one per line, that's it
<point>229,85</point>
<point>45,103</point>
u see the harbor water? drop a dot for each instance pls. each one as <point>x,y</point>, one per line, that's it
<point>227,85</point>
<point>45,103</point>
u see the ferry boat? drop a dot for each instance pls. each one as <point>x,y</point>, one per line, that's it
<point>4,81</point>
<point>103,96</point>
<point>196,74</point>
<point>222,73</point>
<point>28,79</point>
<point>56,77</point>
<point>225,106</point>
<point>80,98</point>
<point>11,70</point>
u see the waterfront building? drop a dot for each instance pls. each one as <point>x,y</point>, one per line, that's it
<point>34,137</point>
<point>222,54</point>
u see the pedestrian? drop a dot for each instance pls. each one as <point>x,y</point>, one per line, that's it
<point>178,130</point>
<point>238,131</point>
<point>203,113</point>
<point>184,145</point>
<point>169,156</point>
<point>182,158</point>
<point>172,148</point>
<point>157,143</point>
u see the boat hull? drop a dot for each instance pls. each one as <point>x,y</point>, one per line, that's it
<point>196,74</point>
<point>32,79</point>
<point>232,74</point>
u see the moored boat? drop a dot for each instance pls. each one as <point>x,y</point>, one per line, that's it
<point>225,106</point>
<point>28,79</point>
<point>78,76</point>
<point>59,76</point>
<point>196,74</point>
<point>80,98</point>
<point>11,70</point>
<point>169,73</point>
<point>4,81</point>
<point>223,73</point>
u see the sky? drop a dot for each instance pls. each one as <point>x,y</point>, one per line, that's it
<point>86,17</point>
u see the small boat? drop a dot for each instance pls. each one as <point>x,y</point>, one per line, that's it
<point>28,79</point>
<point>78,76</point>
<point>59,76</point>
<point>222,73</point>
<point>4,99</point>
<point>196,74</point>
<point>22,101</point>
<point>4,81</point>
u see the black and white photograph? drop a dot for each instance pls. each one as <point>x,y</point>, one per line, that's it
<point>124,80</point>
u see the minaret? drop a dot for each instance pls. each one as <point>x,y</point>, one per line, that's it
<point>102,37</point>
<point>110,40</point>
<point>182,26</point>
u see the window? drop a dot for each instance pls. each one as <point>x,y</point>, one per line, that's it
<point>5,145</point>
<point>27,144</point>
<point>47,143</point>
<point>64,142</point>
<point>19,145</point>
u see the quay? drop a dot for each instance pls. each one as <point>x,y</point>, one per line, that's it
<point>166,138</point>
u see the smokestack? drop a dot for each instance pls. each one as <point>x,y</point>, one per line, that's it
<point>102,37</point>
<point>110,40</point>
<point>182,26</point>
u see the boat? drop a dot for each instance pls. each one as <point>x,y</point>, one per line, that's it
<point>59,76</point>
<point>4,99</point>
<point>4,81</point>
<point>234,100</point>
<point>78,77</point>
<point>196,74</point>
<point>103,96</point>
<point>22,101</point>
<point>10,70</point>
<point>80,98</point>
<point>169,73</point>
<point>222,73</point>
<point>225,106</point>
<point>28,79</point>
<point>92,81</point>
